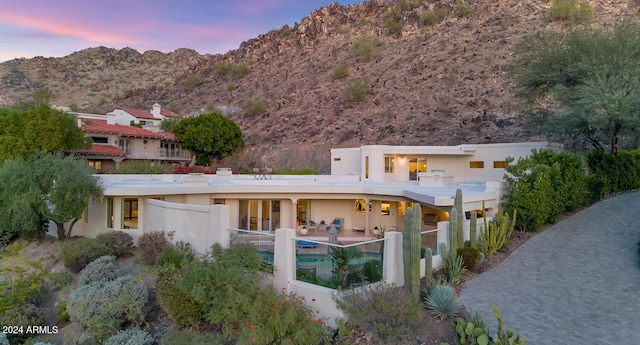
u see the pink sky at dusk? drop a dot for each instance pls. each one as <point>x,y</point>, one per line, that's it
<point>48,28</point>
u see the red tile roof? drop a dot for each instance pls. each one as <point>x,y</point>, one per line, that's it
<point>128,131</point>
<point>102,150</point>
<point>88,121</point>
<point>137,113</point>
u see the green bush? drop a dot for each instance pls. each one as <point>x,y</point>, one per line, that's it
<point>442,301</point>
<point>571,11</point>
<point>461,9</point>
<point>22,316</point>
<point>543,186</point>
<point>470,257</point>
<point>373,271</point>
<point>77,253</point>
<point>102,269</point>
<point>392,20</point>
<point>151,244</point>
<point>117,241</point>
<point>255,107</point>
<point>176,254</point>
<point>60,279</point>
<point>434,16</point>
<point>179,304</point>
<point>340,71</point>
<point>276,318</point>
<point>131,337</point>
<point>143,167</point>
<point>22,288</point>
<point>365,47</point>
<point>232,70</point>
<point>388,312</point>
<point>192,82</point>
<point>103,307</point>
<point>61,312</point>
<point>356,90</point>
<point>612,173</point>
<point>187,337</point>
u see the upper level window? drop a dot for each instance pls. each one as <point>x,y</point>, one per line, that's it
<point>388,164</point>
<point>499,164</point>
<point>100,140</point>
<point>125,145</point>
<point>476,164</point>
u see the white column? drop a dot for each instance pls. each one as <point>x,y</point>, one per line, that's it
<point>294,213</point>
<point>393,267</point>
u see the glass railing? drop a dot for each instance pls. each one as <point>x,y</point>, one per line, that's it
<point>263,241</point>
<point>339,266</point>
<point>430,240</point>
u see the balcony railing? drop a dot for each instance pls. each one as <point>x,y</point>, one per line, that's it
<point>186,154</point>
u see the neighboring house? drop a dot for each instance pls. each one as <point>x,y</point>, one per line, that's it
<point>116,141</point>
<point>153,117</point>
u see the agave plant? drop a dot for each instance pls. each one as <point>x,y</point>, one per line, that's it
<point>454,266</point>
<point>442,301</point>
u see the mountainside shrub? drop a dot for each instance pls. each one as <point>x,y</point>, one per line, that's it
<point>255,107</point>
<point>365,47</point>
<point>117,241</point>
<point>392,20</point>
<point>103,307</point>
<point>389,312</point>
<point>102,269</point>
<point>571,11</point>
<point>356,90</point>
<point>433,16</point>
<point>461,9</point>
<point>77,253</point>
<point>131,337</point>
<point>151,244</point>
<point>340,71</point>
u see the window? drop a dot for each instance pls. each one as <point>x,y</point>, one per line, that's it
<point>476,164</point>
<point>385,207</point>
<point>218,201</point>
<point>110,213</point>
<point>366,166</point>
<point>96,164</point>
<point>125,145</point>
<point>402,208</point>
<point>130,213</point>
<point>337,159</point>
<point>100,140</point>
<point>388,164</point>
<point>499,164</point>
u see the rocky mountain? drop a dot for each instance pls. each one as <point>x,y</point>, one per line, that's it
<point>441,84</point>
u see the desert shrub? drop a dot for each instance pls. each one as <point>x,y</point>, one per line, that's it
<point>454,266</point>
<point>102,269</point>
<point>187,337</point>
<point>192,82</point>
<point>230,86</point>
<point>61,311</point>
<point>104,306</point>
<point>77,253</point>
<point>232,70</point>
<point>470,257</point>
<point>276,318</point>
<point>151,244</point>
<point>117,241</point>
<point>255,107</point>
<point>441,300</point>
<point>130,337</point>
<point>3,339</point>
<point>22,316</point>
<point>365,47</point>
<point>433,16</point>
<point>60,279</point>
<point>461,9</point>
<point>340,71</point>
<point>392,20</point>
<point>20,288</point>
<point>180,305</point>
<point>175,254</point>
<point>570,10</point>
<point>356,90</point>
<point>388,312</point>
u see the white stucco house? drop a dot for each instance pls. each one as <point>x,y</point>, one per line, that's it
<point>369,187</point>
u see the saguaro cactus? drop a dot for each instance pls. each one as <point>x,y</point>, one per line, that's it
<point>453,232</point>
<point>412,242</point>
<point>473,230</point>
<point>460,220</point>
<point>428,266</point>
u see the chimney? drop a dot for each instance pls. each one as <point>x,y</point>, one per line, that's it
<point>156,111</point>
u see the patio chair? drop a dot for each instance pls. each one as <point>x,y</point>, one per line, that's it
<point>338,222</point>
<point>311,225</point>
